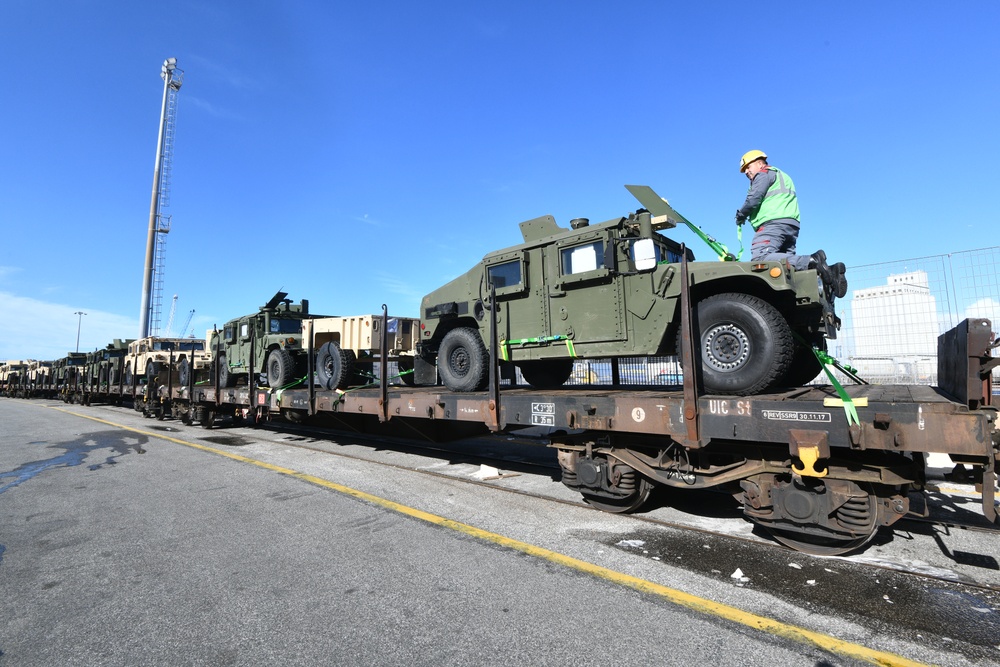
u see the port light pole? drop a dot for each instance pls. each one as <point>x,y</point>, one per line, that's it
<point>79,323</point>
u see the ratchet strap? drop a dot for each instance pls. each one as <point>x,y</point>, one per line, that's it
<point>505,351</point>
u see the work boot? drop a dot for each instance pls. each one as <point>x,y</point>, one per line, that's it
<point>823,269</point>
<point>841,284</point>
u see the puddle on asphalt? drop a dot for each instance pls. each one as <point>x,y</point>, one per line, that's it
<point>75,453</point>
<point>926,610</point>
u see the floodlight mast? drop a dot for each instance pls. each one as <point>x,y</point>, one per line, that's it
<point>148,310</point>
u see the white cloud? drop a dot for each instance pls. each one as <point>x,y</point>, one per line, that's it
<point>33,329</point>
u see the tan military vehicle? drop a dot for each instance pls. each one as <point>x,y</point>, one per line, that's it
<point>345,347</point>
<point>149,357</point>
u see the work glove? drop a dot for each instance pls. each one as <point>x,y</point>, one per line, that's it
<point>740,218</point>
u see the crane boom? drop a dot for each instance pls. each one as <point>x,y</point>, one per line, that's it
<point>186,323</point>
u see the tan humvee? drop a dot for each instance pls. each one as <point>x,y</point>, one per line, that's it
<point>343,345</point>
<point>149,357</point>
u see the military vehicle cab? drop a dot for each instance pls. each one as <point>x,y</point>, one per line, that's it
<point>12,375</point>
<point>274,337</point>
<point>149,357</point>
<point>612,289</point>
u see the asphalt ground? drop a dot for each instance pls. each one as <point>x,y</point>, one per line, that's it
<point>124,543</point>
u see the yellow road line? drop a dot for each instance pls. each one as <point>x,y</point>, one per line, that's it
<point>702,605</point>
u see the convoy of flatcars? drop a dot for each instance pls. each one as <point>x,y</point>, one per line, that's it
<point>820,467</point>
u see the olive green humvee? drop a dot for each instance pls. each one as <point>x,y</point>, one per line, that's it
<point>278,353</point>
<point>612,289</point>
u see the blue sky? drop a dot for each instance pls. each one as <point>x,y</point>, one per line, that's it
<point>356,154</point>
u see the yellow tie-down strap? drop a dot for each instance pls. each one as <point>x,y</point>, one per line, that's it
<point>830,402</point>
<point>505,349</point>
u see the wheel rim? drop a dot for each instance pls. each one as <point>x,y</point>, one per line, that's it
<point>726,347</point>
<point>459,361</point>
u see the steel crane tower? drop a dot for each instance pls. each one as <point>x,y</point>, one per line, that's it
<point>159,224</point>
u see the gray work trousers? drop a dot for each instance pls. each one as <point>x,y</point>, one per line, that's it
<point>775,241</point>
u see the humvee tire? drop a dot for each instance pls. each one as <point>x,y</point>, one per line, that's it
<point>463,361</point>
<point>405,370</point>
<point>183,372</point>
<point>280,368</point>
<point>334,365</point>
<point>546,373</point>
<point>226,379</point>
<point>804,367</point>
<point>744,344</point>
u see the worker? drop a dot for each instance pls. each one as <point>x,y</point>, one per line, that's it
<point>773,211</point>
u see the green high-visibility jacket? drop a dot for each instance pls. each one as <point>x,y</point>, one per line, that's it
<point>779,201</point>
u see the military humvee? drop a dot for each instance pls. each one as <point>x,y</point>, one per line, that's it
<point>345,345</point>
<point>612,289</point>
<point>276,331</point>
<point>148,357</point>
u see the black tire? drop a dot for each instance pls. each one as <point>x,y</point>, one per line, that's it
<point>127,379</point>
<point>463,361</point>
<point>744,345</point>
<point>404,368</point>
<point>152,370</point>
<point>226,379</point>
<point>183,372</point>
<point>804,367</point>
<point>334,365</point>
<point>546,373</point>
<point>280,368</point>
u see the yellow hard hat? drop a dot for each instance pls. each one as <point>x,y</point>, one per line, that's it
<point>749,157</point>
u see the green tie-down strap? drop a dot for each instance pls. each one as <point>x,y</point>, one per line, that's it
<point>278,390</point>
<point>505,351</point>
<point>827,361</point>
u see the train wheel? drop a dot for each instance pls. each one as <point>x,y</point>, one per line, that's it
<point>463,361</point>
<point>851,526</point>
<point>625,505</point>
<point>820,546</point>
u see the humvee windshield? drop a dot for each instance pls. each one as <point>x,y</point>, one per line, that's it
<point>286,326</point>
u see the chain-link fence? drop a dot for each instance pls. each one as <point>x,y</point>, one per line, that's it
<point>894,312</point>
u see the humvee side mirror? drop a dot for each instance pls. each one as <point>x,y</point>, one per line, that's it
<point>644,254</point>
